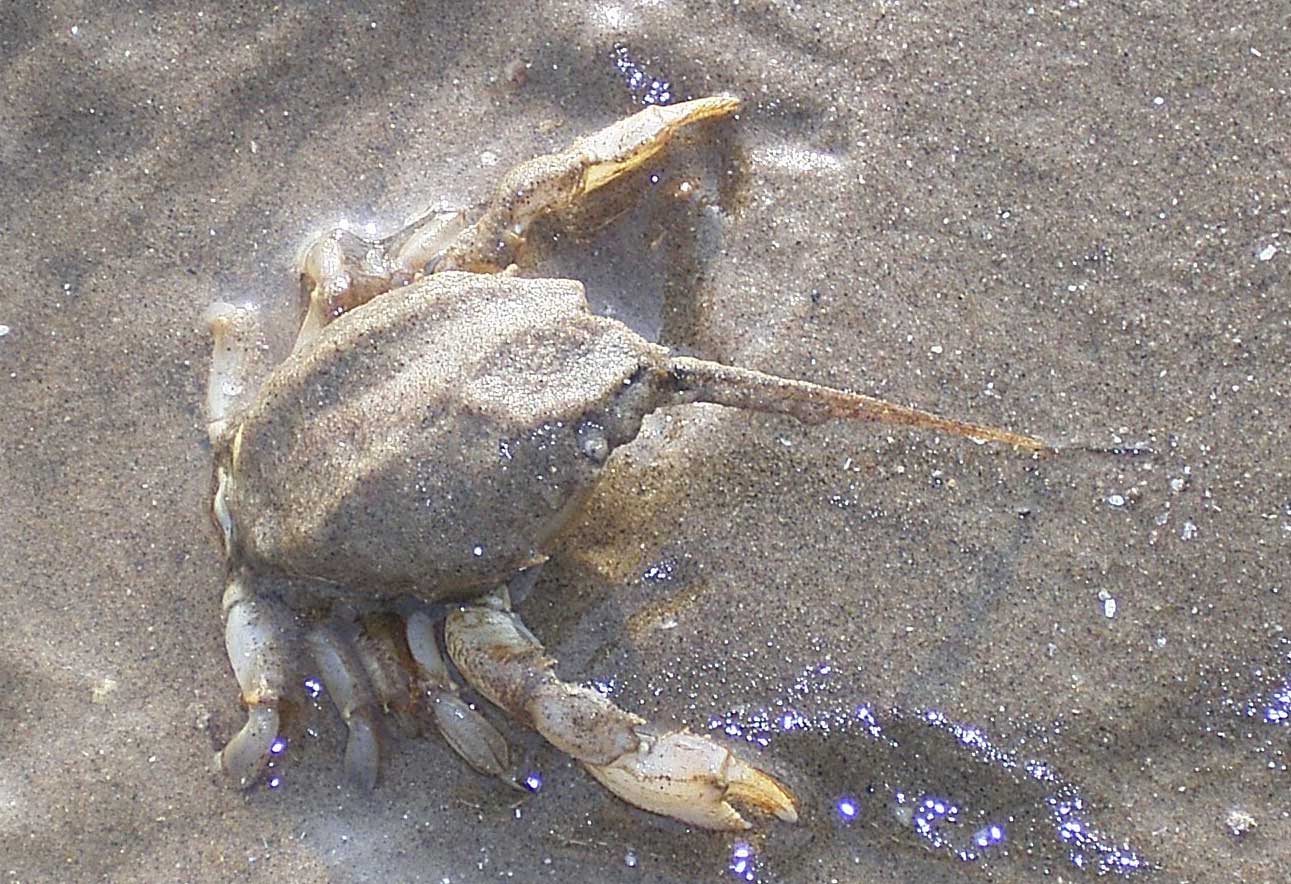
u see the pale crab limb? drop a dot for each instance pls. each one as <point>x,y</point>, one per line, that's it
<point>553,182</point>
<point>464,729</point>
<point>347,684</point>
<point>220,508</point>
<point>698,380</point>
<point>341,270</point>
<point>378,642</point>
<point>408,675</point>
<point>674,773</point>
<point>239,361</point>
<point>257,638</point>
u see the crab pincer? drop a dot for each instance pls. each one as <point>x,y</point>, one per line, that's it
<point>667,771</point>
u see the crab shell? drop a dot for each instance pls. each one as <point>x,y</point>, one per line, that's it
<point>433,442</point>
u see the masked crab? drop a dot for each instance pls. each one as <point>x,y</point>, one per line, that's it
<point>438,421</point>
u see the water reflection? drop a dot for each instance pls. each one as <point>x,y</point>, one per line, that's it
<point>929,781</point>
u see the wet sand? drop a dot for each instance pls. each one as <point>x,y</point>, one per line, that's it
<point>1067,219</point>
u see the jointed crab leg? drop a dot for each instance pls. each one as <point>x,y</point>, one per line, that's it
<point>341,270</point>
<point>549,183</point>
<point>238,364</point>
<point>465,729</point>
<point>407,673</point>
<point>255,633</point>
<point>671,772</point>
<point>344,677</point>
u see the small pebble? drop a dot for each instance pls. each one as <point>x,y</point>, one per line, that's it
<point>1267,253</point>
<point>1115,500</point>
<point>516,73</point>
<point>1239,822</point>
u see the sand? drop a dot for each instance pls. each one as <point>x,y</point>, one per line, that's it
<point>1067,218</point>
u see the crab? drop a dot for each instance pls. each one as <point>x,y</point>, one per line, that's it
<point>438,421</point>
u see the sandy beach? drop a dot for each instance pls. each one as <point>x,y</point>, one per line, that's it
<point>971,664</point>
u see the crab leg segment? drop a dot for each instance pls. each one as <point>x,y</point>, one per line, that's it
<point>347,684</point>
<point>463,727</point>
<point>256,636</point>
<point>413,686</point>
<point>378,643</point>
<point>238,362</point>
<point>341,270</point>
<point>553,182</point>
<point>674,773</point>
<point>698,380</point>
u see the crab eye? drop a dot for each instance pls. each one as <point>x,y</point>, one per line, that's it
<point>593,442</point>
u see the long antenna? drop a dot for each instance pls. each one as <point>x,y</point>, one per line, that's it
<point>698,380</point>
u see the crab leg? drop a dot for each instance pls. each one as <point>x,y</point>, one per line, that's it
<point>256,636</point>
<point>378,643</point>
<point>552,182</point>
<point>238,362</point>
<point>698,380</point>
<point>341,270</point>
<point>670,772</point>
<point>347,683</point>
<point>407,672</point>
<point>464,729</point>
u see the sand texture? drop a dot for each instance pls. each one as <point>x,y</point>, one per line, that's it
<point>1070,219</point>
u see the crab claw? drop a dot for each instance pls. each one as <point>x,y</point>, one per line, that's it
<point>674,772</point>
<point>693,779</point>
<point>555,182</point>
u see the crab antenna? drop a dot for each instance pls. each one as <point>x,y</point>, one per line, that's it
<point>698,380</point>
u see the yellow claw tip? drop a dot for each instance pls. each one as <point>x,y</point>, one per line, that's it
<point>712,106</point>
<point>692,779</point>
<point>761,790</point>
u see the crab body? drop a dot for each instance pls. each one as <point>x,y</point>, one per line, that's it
<point>439,420</point>
<point>432,442</point>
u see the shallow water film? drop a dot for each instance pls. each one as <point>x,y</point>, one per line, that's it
<point>969,663</point>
